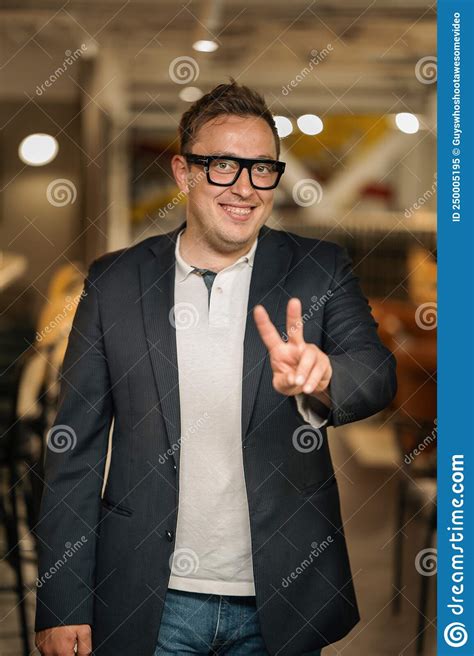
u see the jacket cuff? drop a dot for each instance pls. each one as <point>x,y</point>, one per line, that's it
<point>312,410</point>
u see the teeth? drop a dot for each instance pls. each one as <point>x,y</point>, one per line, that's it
<point>237,210</point>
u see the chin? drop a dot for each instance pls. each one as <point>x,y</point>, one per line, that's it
<point>234,234</point>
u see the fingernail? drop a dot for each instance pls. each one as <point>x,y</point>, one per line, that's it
<point>299,379</point>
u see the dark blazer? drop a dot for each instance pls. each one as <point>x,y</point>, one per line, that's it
<point>105,561</point>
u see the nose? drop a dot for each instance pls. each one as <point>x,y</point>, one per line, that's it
<point>242,185</point>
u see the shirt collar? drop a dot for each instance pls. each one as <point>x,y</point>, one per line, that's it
<point>183,269</point>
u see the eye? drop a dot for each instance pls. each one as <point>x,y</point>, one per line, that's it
<point>224,166</point>
<point>265,169</point>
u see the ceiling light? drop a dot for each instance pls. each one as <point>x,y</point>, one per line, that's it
<point>205,45</point>
<point>283,125</point>
<point>407,123</point>
<point>310,124</point>
<point>38,149</point>
<point>190,94</point>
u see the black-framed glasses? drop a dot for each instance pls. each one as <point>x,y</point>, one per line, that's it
<point>224,170</point>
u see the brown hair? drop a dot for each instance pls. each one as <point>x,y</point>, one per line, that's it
<point>224,99</point>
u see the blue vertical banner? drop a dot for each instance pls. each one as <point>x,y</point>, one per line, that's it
<point>455,628</point>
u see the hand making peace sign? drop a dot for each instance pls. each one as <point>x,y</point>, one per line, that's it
<point>297,366</point>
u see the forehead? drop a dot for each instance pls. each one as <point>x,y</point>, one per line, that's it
<point>245,136</point>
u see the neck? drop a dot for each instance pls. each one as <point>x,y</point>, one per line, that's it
<point>197,251</point>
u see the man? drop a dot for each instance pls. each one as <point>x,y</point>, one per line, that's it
<point>222,350</point>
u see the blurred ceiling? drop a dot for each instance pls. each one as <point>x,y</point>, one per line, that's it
<point>363,52</point>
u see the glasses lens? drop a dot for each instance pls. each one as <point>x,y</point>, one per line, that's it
<point>223,171</point>
<point>264,174</point>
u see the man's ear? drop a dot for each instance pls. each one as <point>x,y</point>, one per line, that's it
<point>181,172</point>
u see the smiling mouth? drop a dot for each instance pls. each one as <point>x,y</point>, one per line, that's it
<point>237,211</point>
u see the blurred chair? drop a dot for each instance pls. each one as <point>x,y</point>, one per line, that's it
<point>29,389</point>
<point>13,452</point>
<point>414,419</point>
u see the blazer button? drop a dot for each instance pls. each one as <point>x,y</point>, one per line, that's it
<point>174,467</point>
<point>169,536</point>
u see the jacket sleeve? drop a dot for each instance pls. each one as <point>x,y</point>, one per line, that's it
<point>74,466</point>
<point>364,379</point>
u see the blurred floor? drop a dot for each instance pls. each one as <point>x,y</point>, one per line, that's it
<point>10,643</point>
<point>364,455</point>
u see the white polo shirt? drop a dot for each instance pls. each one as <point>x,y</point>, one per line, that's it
<point>212,546</point>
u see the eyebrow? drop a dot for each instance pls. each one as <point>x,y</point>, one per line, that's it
<point>230,154</point>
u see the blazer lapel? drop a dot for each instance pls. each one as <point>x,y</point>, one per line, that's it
<point>157,276</point>
<point>271,264</point>
<point>157,279</point>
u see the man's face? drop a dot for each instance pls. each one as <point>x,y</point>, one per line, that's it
<point>227,217</point>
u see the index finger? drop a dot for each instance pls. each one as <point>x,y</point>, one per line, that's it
<point>84,640</point>
<point>269,334</point>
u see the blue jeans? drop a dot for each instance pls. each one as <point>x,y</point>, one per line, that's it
<point>210,624</point>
